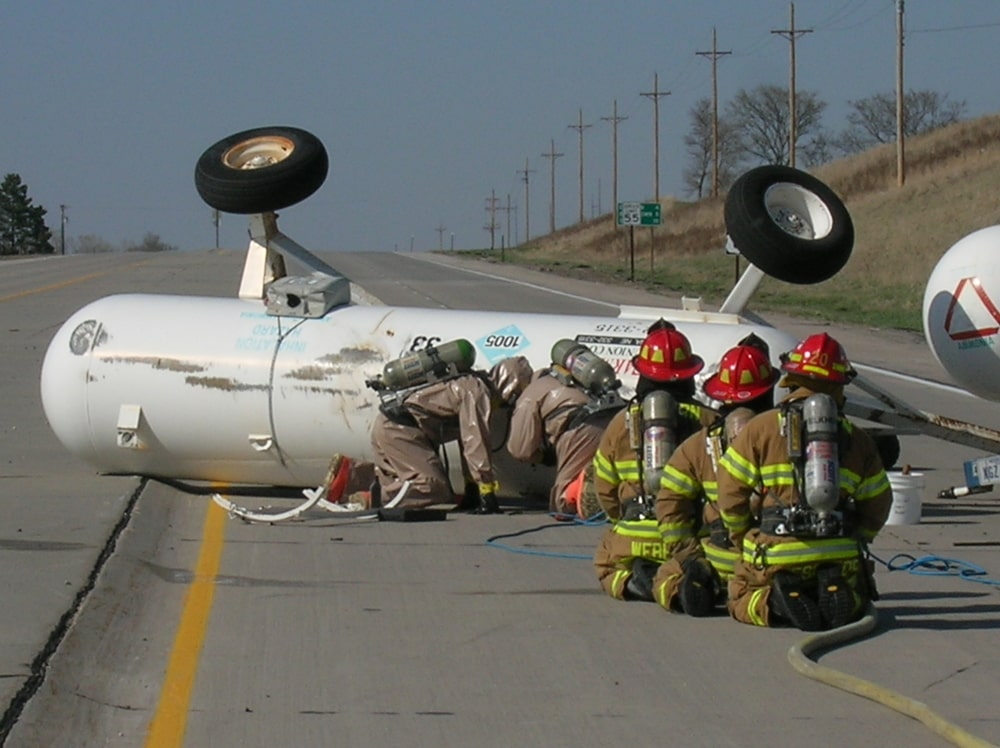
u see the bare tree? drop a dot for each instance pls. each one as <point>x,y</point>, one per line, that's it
<point>872,120</point>
<point>150,243</point>
<point>697,175</point>
<point>760,117</point>
<point>91,244</point>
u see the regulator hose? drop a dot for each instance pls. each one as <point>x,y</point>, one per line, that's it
<point>799,657</point>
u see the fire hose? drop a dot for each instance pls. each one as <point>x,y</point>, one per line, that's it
<point>800,658</point>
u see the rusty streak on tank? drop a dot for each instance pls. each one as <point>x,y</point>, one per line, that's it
<point>157,362</point>
<point>224,384</point>
<point>333,364</point>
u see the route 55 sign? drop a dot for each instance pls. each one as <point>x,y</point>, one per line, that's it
<point>638,214</point>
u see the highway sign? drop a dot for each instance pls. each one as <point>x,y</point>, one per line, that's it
<point>638,214</point>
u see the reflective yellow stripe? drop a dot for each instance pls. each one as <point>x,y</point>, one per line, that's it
<point>678,482</point>
<point>800,551</point>
<point>644,529</point>
<point>675,531</point>
<point>722,559</point>
<point>757,608</point>
<point>618,580</point>
<point>740,467</point>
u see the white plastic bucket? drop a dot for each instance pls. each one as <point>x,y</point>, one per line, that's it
<point>907,498</point>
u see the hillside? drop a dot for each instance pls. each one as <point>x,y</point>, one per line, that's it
<point>952,188</point>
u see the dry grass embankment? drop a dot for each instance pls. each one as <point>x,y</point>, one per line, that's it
<point>952,188</point>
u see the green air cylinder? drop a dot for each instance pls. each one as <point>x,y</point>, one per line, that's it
<point>433,362</point>
<point>587,368</point>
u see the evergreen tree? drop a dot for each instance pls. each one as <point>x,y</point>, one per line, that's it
<point>22,225</point>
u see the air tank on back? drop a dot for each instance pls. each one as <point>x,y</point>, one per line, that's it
<point>587,368</point>
<point>429,364</point>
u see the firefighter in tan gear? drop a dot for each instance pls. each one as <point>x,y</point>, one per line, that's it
<point>559,418</point>
<point>413,425</point>
<point>631,455</point>
<point>700,555</point>
<point>825,495</point>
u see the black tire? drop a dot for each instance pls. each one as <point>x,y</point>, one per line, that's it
<point>789,224</point>
<point>888,449</point>
<point>261,170</point>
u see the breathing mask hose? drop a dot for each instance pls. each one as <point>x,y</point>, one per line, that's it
<point>820,423</point>
<point>659,437</point>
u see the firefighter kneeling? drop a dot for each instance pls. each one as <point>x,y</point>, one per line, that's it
<point>700,555</point>
<point>825,495</point>
<point>629,460</point>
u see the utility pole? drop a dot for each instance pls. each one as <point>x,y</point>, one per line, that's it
<point>580,127</point>
<point>714,55</point>
<point>900,100</point>
<point>655,95</point>
<point>63,220</point>
<point>508,209</point>
<point>491,208</point>
<point>527,205</point>
<point>440,229</point>
<point>791,34</point>
<point>216,222</point>
<point>614,119</point>
<point>552,156</point>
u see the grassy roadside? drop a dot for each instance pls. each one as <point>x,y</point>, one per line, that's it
<point>875,303</point>
<point>901,232</point>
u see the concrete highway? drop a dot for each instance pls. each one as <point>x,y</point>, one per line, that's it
<point>137,613</point>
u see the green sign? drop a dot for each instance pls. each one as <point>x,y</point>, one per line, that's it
<point>638,214</point>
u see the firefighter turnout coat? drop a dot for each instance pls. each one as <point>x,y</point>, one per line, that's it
<point>618,482</point>
<point>758,459</point>
<point>687,512</point>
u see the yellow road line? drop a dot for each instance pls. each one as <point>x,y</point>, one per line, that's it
<point>52,287</point>
<point>170,721</point>
<point>70,282</point>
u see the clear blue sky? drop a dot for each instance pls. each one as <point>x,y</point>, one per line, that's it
<point>425,107</point>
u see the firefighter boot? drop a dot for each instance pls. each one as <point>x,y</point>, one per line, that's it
<point>789,601</point>
<point>639,585</point>
<point>699,588</point>
<point>488,504</point>
<point>835,597</point>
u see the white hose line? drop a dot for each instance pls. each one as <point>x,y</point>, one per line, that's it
<point>799,657</point>
<point>314,497</point>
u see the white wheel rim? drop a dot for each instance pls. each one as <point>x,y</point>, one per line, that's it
<point>258,153</point>
<point>798,211</point>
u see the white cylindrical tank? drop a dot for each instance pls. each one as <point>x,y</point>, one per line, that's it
<point>217,389</point>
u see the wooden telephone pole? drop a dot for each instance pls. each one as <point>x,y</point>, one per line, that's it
<point>714,55</point>
<point>655,95</point>
<point>552,156</point>
<point>527,215</point>
<point>580,127</point>
<point>791,33</point>
<point>614,119</point>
